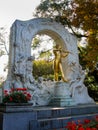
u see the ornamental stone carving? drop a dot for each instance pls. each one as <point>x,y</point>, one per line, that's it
<point>20,59</point>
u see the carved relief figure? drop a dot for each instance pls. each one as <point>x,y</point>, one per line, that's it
<point>59,54</point>
<point>17,82</point>
<point>79,90</point>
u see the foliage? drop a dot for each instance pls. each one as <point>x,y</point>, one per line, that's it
<point>19,95</point>
<point>87,124</point>
<point>76,14</point>
<point>82,54</point>
<point>45,54</point>
<point>3,42</point>
<point>42,46</point>
<point>91,80</point>
<point>1,81</point>
<point>86,17</point>
<point>36,42</point>
<point>42,68</point>
<point>92,84</point>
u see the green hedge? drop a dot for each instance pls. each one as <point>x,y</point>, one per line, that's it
<point>42,68</point>
<point>92,86</point>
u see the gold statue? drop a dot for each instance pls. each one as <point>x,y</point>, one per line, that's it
<point>59,53</point>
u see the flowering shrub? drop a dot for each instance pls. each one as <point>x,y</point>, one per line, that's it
<point>18,95</point>
<point>84,125</point>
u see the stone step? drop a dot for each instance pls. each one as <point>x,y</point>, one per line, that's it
<point>53,118</point>
<point>28,117</point>
<point>57,123</point>
<point>56,112</point>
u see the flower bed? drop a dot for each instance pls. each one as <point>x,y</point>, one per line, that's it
<point>83,125</point>
<point>18,95</point>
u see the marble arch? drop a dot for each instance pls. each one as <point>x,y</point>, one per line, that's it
<point>22,33</point>
<point>20,59</point>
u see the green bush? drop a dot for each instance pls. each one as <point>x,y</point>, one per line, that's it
<point>92,86</point>
<point>42,68</point>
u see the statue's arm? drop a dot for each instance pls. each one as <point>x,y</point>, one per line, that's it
<point>64,54</point>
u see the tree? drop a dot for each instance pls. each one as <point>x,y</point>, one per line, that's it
<point>3,51</point>
<point>3,41</point>
<point>86,17</point>
<point>76,14</point>
<point>42,46</point>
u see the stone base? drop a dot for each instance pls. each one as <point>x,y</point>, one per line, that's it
<point>16,116</point>
<point>62,96</point>
<point>62,101</point>
<point>50,118</point>
<point>43,118</point>
<point>15,107</point>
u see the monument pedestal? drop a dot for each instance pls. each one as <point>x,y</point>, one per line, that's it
<point>62,96</point>
<point>28,117</point>
<point>16,116</point>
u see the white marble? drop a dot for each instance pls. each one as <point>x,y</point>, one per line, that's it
<point>79,90</point>
<point>20,60</point>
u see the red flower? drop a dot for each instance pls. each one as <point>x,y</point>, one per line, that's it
<point>88,128</point>
<point>71,126</point>
<point>5,91</point>
<point>86,121</point>
<point>11,98</point>
<point>21,89</point>
<point>80,125</point>
<point>87,125</point>
<point>96,118</point>
<point>24,89</point>
<point>28,94</point>
<point>81,128</point>
<point>12,89</point>
<point>97,126</point>
<point>25,92</point>
<point>16,95</point>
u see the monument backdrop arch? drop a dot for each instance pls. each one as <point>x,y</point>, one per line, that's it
<point>20,62</point>
<point>22,33</point>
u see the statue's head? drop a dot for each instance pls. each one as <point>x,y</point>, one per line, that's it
<point>57,46</point>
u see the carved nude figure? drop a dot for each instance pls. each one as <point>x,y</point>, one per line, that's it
<point>79,90</point>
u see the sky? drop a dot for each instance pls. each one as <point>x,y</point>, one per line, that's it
<point>10,10</point>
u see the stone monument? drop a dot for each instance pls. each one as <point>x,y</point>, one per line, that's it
<point>20,64</point>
